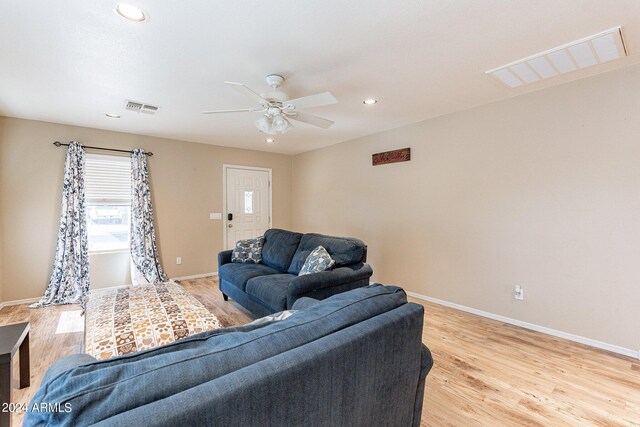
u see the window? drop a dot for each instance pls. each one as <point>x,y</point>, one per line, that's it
<point>248,202</point>
<point>108,201</point>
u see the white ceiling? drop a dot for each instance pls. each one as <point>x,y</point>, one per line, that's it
<point>71,62</point>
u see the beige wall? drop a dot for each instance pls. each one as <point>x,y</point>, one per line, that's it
<point>186,180</point>
<point>112,269</point>
<point>541,190</point>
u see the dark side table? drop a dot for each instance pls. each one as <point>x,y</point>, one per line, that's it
<point>12,338</point>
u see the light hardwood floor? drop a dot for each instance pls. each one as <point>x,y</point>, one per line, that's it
<point>486,373</point>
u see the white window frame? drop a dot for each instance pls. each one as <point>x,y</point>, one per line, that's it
<point>108,202</point>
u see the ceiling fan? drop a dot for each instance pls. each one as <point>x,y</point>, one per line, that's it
<point>278,109</point>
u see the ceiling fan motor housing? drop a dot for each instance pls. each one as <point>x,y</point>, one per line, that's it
<point>275,80</point>
<point>275,96</point>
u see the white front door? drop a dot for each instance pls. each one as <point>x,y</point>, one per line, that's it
<point>248,202</point>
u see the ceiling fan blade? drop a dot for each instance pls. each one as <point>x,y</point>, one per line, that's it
<point>312,120</point>
<point>248,92</point>
<point>244,110</point>
<point>310,101</point>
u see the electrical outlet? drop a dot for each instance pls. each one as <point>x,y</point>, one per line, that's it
<point>179,260</point>
<point>518,292</point>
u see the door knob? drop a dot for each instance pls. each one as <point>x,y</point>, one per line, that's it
<point>230,225</point>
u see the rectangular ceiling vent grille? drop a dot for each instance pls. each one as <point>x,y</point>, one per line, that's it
<point>139,107</point>
<point>134,106</point>
<point>149,109</point>
<point>593,50</point>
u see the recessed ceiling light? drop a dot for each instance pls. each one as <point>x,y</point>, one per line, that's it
<point>113,115</point>
<point>270,140</point>
<point>370,101</point>
<point>131,12</point>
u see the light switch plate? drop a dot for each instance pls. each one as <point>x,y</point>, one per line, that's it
<point>215,215</point>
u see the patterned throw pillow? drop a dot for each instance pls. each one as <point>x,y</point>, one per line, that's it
<point>317,261</point>
<point>248,250</point>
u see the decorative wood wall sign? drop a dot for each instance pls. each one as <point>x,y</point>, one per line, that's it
<point>394,156</point>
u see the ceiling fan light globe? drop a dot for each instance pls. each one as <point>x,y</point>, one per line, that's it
<point>264,125</point>
<point>280,124</point>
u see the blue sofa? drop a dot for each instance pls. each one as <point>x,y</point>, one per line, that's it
<point>354,359</point>
<point>274,284</point>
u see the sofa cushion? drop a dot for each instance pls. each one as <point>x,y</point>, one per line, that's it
<point>271,290</point>
<point>344,250</point>
<point>279,247</point>
<point>248,251</point>
<point>317,261</point>
<point>238,274</point>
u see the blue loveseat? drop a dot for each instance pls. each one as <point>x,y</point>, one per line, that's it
<point>274,284</point>
<point>354,359</point>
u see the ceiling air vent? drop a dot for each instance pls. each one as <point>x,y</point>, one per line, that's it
<point>134,106</point>
<point>139,107</point>
<point>149,109</point>
<point>593,50</point>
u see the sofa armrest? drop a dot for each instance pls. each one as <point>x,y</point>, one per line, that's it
<point>426,365</point>
<point>66,363</point>
<point>224,257</point>
<point>304,303</point>
<point>307,283</point>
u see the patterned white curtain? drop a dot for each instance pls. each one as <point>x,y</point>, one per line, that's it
<point>145,263</point>
<point>69,282</point>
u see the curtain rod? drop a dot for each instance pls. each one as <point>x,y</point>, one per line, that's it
<point>60,144</point>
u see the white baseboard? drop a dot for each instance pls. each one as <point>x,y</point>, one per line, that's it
<point>560,334</point>
<point>107,288</point>
<point>31,300</point>
<point>18,302</point>
<point>196,276</point>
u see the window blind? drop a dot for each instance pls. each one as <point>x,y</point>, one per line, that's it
<point>107,180</point>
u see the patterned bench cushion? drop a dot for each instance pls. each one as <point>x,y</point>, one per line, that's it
<point>135,318</point>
